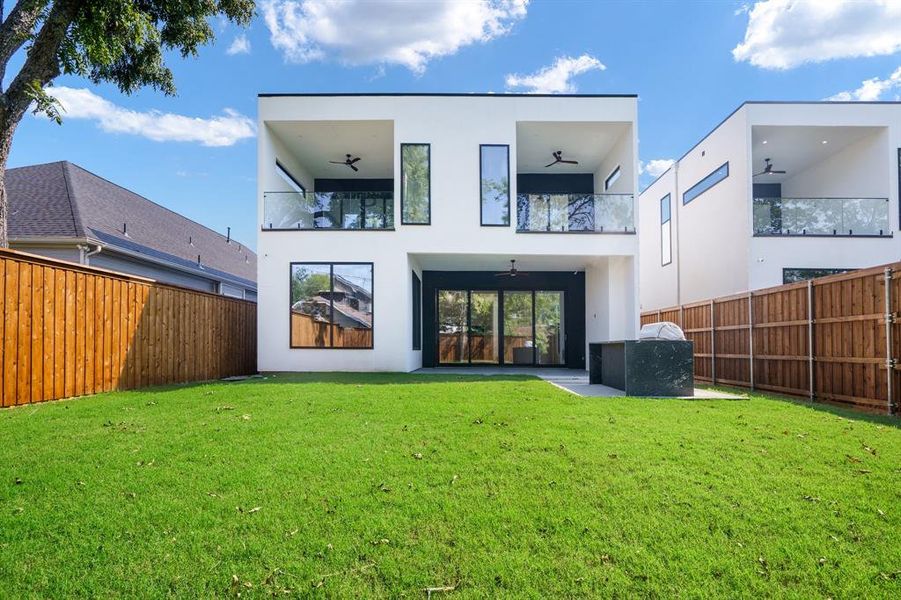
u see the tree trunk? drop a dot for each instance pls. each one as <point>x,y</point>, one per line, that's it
<point>7,129</point>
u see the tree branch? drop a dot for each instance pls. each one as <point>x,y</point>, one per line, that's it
<point>17,28</point>
<point>42,61</point>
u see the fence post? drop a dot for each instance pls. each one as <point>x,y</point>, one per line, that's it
<point>751,337</point>
<point>889,342</point>
<point>681,316</point>
<point>712,342</point>
<point>810,357</point>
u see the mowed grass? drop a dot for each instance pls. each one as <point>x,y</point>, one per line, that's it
<point>384,485</point>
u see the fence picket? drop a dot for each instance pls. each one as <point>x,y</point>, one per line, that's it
<point>69,330</point>
<point>833,339</point>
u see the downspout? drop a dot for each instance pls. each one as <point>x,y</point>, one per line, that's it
<point>87,254</point>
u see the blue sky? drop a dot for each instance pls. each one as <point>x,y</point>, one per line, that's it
<point>678,57</point>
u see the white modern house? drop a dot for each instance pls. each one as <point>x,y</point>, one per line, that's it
<point>388,223</point>
<point>777,192</point>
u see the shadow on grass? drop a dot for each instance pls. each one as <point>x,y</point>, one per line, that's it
<point>819,406</point>
<point>387,378</point>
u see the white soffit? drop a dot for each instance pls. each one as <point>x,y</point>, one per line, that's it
<point>315,143</point>
<point>796,148</point>
<point>586,142</point>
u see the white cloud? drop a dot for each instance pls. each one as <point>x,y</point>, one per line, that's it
<point>240,45</point>
<point>555,78</point>
<point>223,130</point>
<point>410,34</point>
<point>655,167</point>
<point>872,89</point>
<point>783,34</point>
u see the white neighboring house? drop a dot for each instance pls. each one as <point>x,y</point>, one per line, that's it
<point>721,221</point>
<point>388,223</point>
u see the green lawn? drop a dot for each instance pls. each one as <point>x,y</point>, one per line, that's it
<point>384,485</point>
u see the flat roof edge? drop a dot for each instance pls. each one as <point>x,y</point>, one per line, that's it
<point>435,94</point>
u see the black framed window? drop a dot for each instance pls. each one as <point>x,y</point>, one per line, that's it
<point>494,178</point>
<point>666,231</point>
<point>705,184</point>
<point>612,178</point>
<point>417,313</point>
<point>331,305</point>
<point>290,179</point>
<point>415,184</point>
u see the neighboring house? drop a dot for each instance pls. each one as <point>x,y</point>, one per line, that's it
<point>63,211</point>
<point>388,223</point>
<point>778,192</point>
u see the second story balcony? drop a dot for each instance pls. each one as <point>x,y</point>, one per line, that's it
<point>821,217</point>
<point>328,210</point>
<point>575,213</point>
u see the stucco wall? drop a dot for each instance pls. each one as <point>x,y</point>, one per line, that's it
<point>464,123</point>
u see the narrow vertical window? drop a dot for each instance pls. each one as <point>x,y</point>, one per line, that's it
<point>286,176</point>
<point>417,313</point>
<point>416,185</point>
<point>666,231</point>
<point>494,175</point>
<point>612,178</point>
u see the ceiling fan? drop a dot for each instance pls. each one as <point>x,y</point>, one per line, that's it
<point>513,272</point>
<point>348,161</point>
<point>558,158</point>
<point>768,169</point>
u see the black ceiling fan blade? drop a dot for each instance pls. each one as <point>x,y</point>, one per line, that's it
<point>761,173</point>
<point>337,162</point>
<point>552,164</point>
<point>570,162</point>
<point>353,167</point>
<point>777,172</point>
<point>353,160</point>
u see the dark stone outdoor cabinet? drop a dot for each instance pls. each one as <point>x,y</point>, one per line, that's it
<point>644,367</point>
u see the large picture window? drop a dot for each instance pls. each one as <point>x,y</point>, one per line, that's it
<point>331,305</point>
<point>494,175</point>
<point>666,231</point>
<point>415,187</point>
<point>705,184</point>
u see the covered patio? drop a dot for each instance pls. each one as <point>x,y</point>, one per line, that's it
<point>574,381</point>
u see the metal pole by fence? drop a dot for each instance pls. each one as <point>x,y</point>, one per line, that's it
<point>751,338</point>
<point>889,359</point>
<point>810,357</point>
<point>712,341</point>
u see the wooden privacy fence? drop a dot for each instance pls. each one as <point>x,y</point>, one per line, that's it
<point>69,330</point>
<point>835,339</point>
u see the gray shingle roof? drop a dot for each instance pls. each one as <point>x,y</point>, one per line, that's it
<point>61,199</point>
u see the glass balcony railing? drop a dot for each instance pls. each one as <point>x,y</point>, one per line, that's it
<point>821,216</point>
<point>328,210</point>
<point>575,213</point>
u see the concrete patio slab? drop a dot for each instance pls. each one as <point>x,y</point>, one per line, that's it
<point>574,381</point>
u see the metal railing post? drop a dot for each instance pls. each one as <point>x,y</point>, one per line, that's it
<point>889,342</point>
<point>751,337</point>
<point>712,342</point>
<point>810,357</point>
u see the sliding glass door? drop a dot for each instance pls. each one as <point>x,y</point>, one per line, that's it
<point>519,339</point>
<point>453,327</point>
<point>483,328</point>
<point>515,327</point>
<point>549,336</point>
